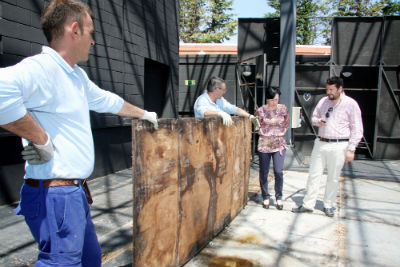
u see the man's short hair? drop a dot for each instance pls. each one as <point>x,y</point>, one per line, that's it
<point>56,14</point>
<point>215,82</point>
<point>334,80</point>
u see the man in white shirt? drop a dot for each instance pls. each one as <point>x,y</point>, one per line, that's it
<point>46,99</point>
<point>212,103</point>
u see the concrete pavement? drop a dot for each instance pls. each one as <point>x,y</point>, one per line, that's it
<point>111,214</point>
<point>364,231</point>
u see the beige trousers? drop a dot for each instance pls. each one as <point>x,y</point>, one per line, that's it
<point>332,156</point>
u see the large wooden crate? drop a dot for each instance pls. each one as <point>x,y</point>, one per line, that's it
<point>190,179</point>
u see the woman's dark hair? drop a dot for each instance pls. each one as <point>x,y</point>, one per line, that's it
<point>272,91</point>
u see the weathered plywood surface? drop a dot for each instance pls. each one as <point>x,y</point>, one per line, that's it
<point>224,174</point>
<point>190,179</point>
<point>197,168</point>
<point>156,195</point>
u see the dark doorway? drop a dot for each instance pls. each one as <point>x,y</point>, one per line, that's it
<point>155,83</point>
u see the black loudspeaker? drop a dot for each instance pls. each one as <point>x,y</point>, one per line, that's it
<point>356,40</point>
<point>257,36</point>
<point>391,41</point>
<point>310,76</point>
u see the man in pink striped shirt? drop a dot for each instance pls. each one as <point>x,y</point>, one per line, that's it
<point>340,129</point>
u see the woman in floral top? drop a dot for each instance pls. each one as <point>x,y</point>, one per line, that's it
<point>274,121</point>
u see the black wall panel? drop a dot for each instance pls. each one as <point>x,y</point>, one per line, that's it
<point>365,53</point>
<point>366,100</point>
<point>361,77</point>
<point>356,41</point>
<point>257,36</point>
<point>272,74</point>
<point>156,83</point>
<point>391,55</point>
<point>307,99</point>
<point>311,76</point>
<point>388,124</point>
<point>201,68</point>
<point>11,169</point>
<point>113,150</point>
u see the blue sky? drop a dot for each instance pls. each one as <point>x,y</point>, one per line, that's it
<point>248,9</point>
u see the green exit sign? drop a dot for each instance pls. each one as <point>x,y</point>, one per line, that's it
<point>190,82</point>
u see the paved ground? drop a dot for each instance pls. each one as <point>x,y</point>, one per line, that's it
<point>111,213</point>
<point>364,231</point>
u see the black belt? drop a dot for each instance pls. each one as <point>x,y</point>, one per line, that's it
<point>332,140</point>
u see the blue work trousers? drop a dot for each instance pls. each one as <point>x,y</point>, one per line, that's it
<point>59,219</point>
<point>278,160</point>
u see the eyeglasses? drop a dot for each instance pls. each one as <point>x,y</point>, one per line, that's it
<point>329,111</point>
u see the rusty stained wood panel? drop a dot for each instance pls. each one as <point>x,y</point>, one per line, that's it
<point>155,193</point>
<point>197,168</point>
<point>224,152</point>
<point>241,168</point>
<point>190,180</point>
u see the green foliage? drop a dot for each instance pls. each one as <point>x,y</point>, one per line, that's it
<point>313,17</point>
<point>391,8</point>
<point>206,21</point>
<point>365,8</point>
<point>275,5</point>
<point>358,8</point>
<point>307,23</point>
<point>191,19</point>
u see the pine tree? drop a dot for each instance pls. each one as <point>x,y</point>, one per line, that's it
<point>220,24</point>
<point>275,5</point>
<point>308,24</point>
<point>365,8</point>
<point>206,21</point>
<point>358,8</point>
<point>191,19</point>
<point>306,21</point>
<point>314,17</point>
<point>391,8</point>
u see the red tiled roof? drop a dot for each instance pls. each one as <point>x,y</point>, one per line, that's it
<point>313,49</point>
<point>213,49</point>
<point>207,49</point>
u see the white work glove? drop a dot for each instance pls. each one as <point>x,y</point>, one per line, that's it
<point>255,122</point>
<point>226,118</point>
<point>38,154</point>
<point>151,117</point>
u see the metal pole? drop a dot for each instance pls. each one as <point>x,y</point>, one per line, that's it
<point>287,57</point>
<point>264,78</point>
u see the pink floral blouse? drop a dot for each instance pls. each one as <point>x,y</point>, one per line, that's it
<point>273,126</point>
